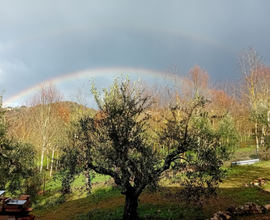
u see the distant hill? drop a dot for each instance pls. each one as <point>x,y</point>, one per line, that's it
<point>73,106</point>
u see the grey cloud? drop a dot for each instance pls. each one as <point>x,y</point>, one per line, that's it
<point>45,39</point>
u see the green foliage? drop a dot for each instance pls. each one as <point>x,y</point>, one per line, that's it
<point>16,160</point>
<point>116,143</point>
<point>228,131</point>
<point>68,169</point>
<point>197,150</point>
<point>33,185</point>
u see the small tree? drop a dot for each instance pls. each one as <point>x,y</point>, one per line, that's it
<point>116,143</point>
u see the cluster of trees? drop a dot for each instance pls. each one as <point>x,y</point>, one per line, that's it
<point>140,132</point>
<point>43,124</point>
<point>254,94</point>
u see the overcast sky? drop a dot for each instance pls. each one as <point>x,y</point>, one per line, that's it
<point>46,39</point>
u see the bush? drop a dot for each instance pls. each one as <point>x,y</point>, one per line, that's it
<point>33,185</point>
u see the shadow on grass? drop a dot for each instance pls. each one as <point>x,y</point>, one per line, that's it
<point>109,205</point>
<point>146,211</point>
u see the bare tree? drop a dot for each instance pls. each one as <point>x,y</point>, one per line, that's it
<point>44,116</point>
<point>197,82</point>
<point>255,89</point>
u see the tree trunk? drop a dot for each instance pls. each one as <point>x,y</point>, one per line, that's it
<point>262,137</point>
<point>37,163</point>
<point>56,166</point>
<point>41,160</point>
<point>48,159</point>
<point>257,139</point>
<point>131,204</point>
<point>52,162</point>
<point>87,177</point>
<point>43,151</point>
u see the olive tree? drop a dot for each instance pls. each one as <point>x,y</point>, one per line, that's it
<point>116,142</point>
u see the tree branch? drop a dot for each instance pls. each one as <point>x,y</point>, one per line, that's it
<point>104,171</point>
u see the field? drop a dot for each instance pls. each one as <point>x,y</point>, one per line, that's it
<point>106,202</point>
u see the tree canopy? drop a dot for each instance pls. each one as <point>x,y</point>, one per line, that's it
<point>118,142</point>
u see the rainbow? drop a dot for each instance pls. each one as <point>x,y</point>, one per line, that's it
<point>80,28</point>
<point>89,73</point>
<point>103,71</point>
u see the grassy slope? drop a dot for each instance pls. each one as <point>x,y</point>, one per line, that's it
<point>107,203</point>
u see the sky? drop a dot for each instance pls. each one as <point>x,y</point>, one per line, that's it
<point>67,42</point>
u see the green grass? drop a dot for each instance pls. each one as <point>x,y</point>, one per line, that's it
<point>52,185</point>
<point>52,188</point>
<point>247,149</point>
<point>246,173</point>
<point>242,195</point>
<point>98,195</point>
<point>107,203</point>
<point>105,193</point>
<point>149,211</point>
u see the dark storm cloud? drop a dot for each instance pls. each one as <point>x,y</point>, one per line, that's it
<point>43,39</point>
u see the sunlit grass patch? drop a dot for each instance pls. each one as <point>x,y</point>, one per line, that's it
<point>247,149</point>
<point>55,185</point>
<point>52,194</point>
<point>238,175</point>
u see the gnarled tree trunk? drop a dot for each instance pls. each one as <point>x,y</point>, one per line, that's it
<point>131,205</point>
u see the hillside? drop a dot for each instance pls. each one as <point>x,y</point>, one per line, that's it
<point>17,118</point>
<point>14,114</point>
